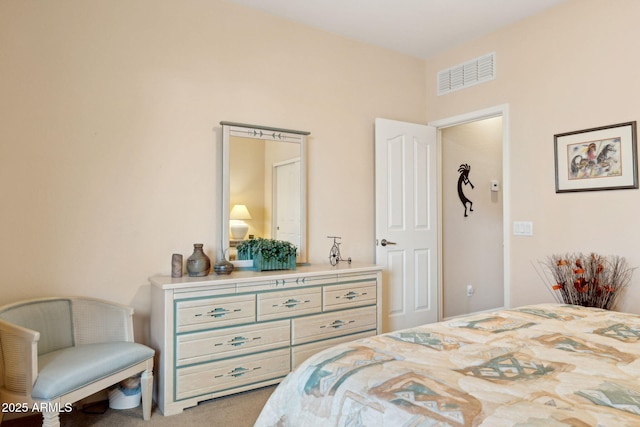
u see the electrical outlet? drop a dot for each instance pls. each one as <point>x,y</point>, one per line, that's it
<point>470,290</point>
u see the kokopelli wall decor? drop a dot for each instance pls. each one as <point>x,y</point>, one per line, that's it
<point>464,170</point>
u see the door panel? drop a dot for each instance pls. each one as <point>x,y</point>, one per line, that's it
<point>395,295</point>
<point>422,267</point>
<point>287,201</point>
<point>406,215</point>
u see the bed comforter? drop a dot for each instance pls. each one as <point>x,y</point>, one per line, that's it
<point>539,365</point>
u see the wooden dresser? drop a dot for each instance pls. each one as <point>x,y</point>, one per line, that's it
<point>219,335</point>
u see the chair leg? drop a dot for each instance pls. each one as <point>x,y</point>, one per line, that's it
<point>50,419</point>
<point>146,386</point>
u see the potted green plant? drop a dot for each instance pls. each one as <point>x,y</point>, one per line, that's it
<point>245,249</point>
<point>268,254</point>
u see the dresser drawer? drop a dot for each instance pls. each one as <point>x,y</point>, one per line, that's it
<point>295,302</point>
<point>230,373</point>
<point>214,312</point>
<point>329,325</point>
<point>349,295</point>
<point>302,352</point>
<point>200,347</point>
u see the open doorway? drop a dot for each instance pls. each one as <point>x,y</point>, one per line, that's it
<point>473,199</point>
<point>472,222</point>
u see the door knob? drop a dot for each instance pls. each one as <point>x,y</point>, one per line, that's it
<point>385,242</point>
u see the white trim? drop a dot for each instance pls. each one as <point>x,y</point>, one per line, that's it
<point>499,110</point>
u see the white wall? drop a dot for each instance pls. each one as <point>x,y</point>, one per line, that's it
<point>109,134</point>
<point>572,67</point>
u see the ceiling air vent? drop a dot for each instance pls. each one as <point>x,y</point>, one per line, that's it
<point>470,73</point>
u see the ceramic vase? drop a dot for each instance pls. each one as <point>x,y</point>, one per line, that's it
<point>198,264</point>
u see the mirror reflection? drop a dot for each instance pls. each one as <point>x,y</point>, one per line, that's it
<point>264,188</point>
<point>265,183</point>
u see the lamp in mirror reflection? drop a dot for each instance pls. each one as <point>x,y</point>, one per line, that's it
<point>238,227</point>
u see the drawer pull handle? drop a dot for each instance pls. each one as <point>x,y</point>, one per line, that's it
<point>290,303</point>
<point>218,312</point>
<point>238,372</point>
<point>352,295</point>
<point>237,341</point>
<point>337,324</point>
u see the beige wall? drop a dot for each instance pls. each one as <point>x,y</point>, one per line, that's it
<point>570,68</point>
<point>109,134</point>
<point>247,169</point>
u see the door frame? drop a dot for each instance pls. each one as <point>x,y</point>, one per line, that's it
<point>499,110</point>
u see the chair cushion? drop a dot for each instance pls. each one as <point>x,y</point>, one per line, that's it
<point>69,369</point>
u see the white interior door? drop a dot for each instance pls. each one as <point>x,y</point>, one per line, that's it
<point>286,202</point>
<point>406,222</point>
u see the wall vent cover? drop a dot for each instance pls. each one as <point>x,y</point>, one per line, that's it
<point>479,70</point>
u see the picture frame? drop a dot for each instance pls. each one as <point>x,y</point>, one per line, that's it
<point>601,158</point>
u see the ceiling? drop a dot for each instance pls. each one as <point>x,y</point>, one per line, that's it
<point>421,28</point>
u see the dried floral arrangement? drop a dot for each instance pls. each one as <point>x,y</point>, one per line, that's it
<point>588,280</point>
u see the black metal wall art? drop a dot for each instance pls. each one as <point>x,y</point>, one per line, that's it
<point>464,170</point>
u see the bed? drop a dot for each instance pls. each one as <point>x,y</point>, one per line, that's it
<point>538,365</point>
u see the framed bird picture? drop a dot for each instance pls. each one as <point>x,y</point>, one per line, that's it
<point>602,158</point>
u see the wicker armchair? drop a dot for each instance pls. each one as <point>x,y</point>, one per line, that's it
<point>56,351</point>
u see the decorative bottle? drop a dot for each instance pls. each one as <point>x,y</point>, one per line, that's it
<point>223,266</point>
<point>176,265</point>
<point>198,264</point>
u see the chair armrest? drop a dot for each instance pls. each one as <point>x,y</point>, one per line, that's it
<point>97,321</point>
<point>19,331</point>
<point>19,358</point>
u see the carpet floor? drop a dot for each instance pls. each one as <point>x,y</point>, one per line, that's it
<point>238,410</point>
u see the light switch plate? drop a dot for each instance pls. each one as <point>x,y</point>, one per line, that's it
<point>523,228</point>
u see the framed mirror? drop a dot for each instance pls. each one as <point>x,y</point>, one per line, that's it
<point>264,185</point>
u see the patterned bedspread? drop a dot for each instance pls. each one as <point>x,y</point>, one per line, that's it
<point>539,365</point>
